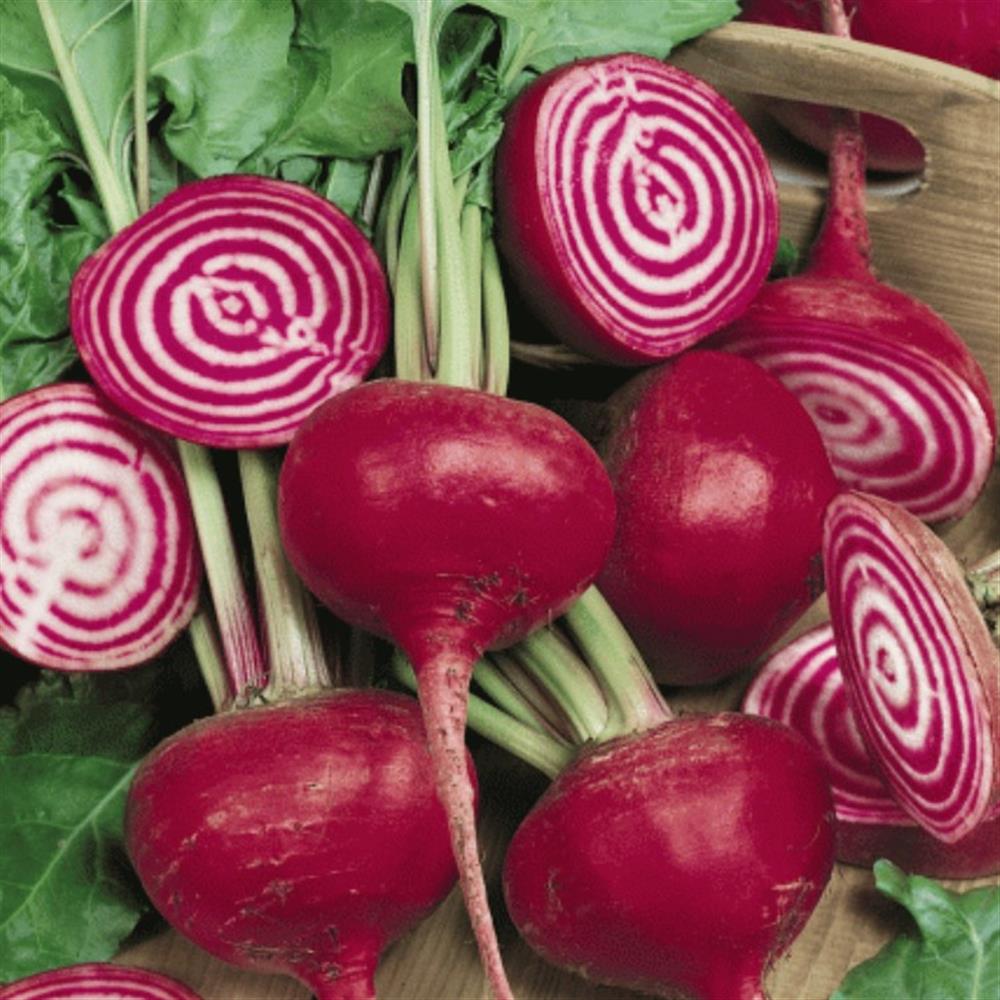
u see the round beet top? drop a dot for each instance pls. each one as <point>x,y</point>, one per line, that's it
<point>637,211</point>
<point>97,981</point>
<point>99,569</point>
<point>230,310</point>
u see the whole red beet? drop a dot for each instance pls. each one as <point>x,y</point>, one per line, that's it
<point>721,480</point>
<point>680,860</point>
<point>300,838</point>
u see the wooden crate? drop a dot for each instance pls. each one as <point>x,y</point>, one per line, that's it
<point>937,237</point>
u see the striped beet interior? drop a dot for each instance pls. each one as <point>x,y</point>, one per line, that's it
<point>97,981</point>
<point>895,422</point>
<point>100,569</point>
<point>921,707</point>
<point>229,311</point>
<point>659,199</point>
<point>802,686</point>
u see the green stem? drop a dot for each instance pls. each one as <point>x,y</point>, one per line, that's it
<point>208,655</point>
<point>294,645</point>
<point>566,679</point>
<point>496,324</point>
<point>548,755</point>
<point>115,196</point>
<point>141,9</point>
<point>497,686</point>
<point>424,46</point>
<point>534,693</point>
<point>368,211</point>
<point>519,60</point>
<point>472,256</point>
<point>408,333</point>
<point>456,361</point>
<point>244,663</point>
<point>633,699</point>
<point>391,225</point>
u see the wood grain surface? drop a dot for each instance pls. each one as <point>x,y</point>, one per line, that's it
<point>940,240</point>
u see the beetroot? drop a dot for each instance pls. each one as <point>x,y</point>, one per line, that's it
<point>227,312</point>
<point>904,409</point>
<point>99,567</point>
<point>97,981</point>
<point>636,210</point>
<point>922,671</point>
<point>961,32</point>
<point>451,521</point>
<point>721,481</point>
<point>802,686</point>
<point>682,860</point>
<point>299,838</point>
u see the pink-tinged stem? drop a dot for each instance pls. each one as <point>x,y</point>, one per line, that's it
<point>843,247</point>
<point>444,690</point>
<point>243,659</point>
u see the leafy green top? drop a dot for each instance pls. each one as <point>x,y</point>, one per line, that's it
<point>956,955</point>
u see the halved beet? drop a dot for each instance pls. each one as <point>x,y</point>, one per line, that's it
<point>99,566</point>
<point>97,981</point>
<point>918,660</point>
<point>230,310</point>
<point>802,686</point>
<point>636,209</point>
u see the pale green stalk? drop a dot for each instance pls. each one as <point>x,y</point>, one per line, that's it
<point>141,141</point>
<point>291,631</point>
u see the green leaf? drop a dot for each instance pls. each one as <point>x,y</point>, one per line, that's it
<point>223,68</point>
<point>68,748</point>
<point>786,259</point>
<point>956,956</point>
<point>37,255</point>
<point>67,893</point>
<point>346,67</point>
<point>541,34</point>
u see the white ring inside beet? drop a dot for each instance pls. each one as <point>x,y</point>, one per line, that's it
<point>230,310</point>
<point>100,569</point>
<point>918,661</point>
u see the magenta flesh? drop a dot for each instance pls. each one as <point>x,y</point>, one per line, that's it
<point>802,686</point>
<point>636,210</point>
<point>721,481</point>
<point>99,568</point>
<point>300,838</point>
<point>450,521</point>
<point>680,861</point>
<point>922,671</point>
<point>97,981</point>
<point>230,310</point>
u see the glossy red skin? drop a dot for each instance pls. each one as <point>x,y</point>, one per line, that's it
<point>965,33</point>
<point>300,838</point>
<point>447,519</point>
<point>529,250</point>
<point>721,480</point>
<point>94,980</point>
<point>685,858</point>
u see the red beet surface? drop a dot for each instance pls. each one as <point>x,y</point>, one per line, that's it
<point>721,480</point>
<point>299,838</point>
<point>684,859</point>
